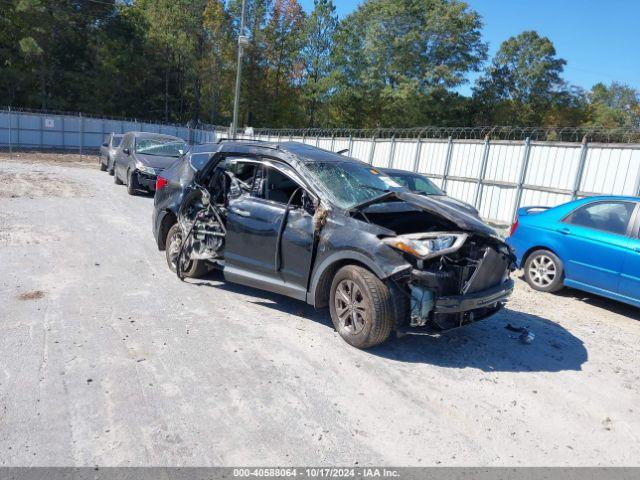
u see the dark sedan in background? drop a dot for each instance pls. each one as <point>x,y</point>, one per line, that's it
<point>142,156</point>
<point>422,185</point>
<point>108,151</point>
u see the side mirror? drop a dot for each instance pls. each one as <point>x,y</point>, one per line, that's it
<point>126,151</point>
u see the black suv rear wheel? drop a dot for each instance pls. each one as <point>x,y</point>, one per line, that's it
<point>173,243</point>
<point>361,307</point>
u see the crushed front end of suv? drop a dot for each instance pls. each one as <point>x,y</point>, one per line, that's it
<point>334,232</point>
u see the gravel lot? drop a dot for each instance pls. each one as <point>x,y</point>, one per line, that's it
<point>107,359</point>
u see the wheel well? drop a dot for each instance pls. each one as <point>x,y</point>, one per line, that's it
<point>323,287</point>
<point>167,222</point>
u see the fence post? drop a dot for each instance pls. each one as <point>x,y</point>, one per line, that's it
<point>81,132</point>
<point>318,139</point>
<point>392,152</point>
<point>350,147</point>
<point>447,163</point>
<point>333,141</point>
<point>524,165</point>
<point>416,158</point>
<point>372,150</point>
<point>483,171</point>
<point>10,135</point>
<point>41,131</point>
<point>583,158</point>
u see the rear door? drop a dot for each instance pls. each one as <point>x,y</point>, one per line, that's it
<point>594,240</point>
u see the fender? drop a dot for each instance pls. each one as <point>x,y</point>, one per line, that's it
<point>318,284</point>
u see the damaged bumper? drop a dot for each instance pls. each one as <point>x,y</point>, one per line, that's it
<point>146,180</point>
<point>451,292</point>
<point>485,299</point>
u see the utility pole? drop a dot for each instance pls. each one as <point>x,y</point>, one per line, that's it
<point>242,42</point>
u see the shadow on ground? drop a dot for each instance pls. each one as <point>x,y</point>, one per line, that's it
<point>600,302</point>
<point>486,345</point>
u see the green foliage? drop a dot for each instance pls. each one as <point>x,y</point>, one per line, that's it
<point>391,63</point>
<point>616,105</point>
<point>392,55</point>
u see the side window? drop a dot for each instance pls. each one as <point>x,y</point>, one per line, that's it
<point>242,170</point>
<point>607,216</point>
<point>278,187</point>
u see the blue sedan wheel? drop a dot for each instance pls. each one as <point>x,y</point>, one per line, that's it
<point>543,271</point>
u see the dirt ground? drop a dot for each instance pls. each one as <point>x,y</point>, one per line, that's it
<point>107,359</point>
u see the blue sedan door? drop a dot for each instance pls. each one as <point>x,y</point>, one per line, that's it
<point>630,276</point>
<point>595,241</point>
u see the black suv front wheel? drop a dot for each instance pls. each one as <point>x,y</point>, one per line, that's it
<point>361,307</point>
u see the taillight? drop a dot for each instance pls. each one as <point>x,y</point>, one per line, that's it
<point>512,230</point>
<point>160,182</point>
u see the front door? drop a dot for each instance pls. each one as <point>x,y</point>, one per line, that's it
<point>594,242</point>
<point>630,275</point>
<point>269,237</point>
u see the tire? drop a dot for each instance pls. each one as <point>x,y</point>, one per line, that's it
<point>543,271</point>
<point>103,167</point>
<point>358,294</point>
<point>116,179</point>
<point>193,268</point>
<point>132,183</point>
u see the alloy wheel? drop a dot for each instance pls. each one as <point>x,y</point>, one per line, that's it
<point>350,307</point>
<point>542,270</point>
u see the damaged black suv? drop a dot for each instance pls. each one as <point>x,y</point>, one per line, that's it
<point>332,231</point>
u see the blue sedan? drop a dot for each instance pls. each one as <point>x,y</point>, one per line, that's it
<point>591,244</point>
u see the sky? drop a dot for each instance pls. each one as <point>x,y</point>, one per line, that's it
<point>599,39</point>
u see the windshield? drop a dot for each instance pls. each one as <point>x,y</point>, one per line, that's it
<point>416,183</point>
<point>161,147</point>
<point>115,142</point>
<point>352,183</point>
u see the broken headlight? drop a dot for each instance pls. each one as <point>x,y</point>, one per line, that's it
<point>427,245</point>
<point>145,168</point>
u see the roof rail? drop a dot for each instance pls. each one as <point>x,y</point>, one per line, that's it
<point>220,140</point>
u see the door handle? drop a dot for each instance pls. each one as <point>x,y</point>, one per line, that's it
<point>564,231</point>
<point>242,213</point>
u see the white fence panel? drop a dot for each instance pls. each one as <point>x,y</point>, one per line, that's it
<point>361,149</point>
<point>462,190</point>
<point>503,162</point>
<point>325,143</point>
<point>433,157</point>
<point>382,153</point>
<point>466,158</point>
<point>553,166</point>
<point>611,170</point>
<point>404,154</point>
